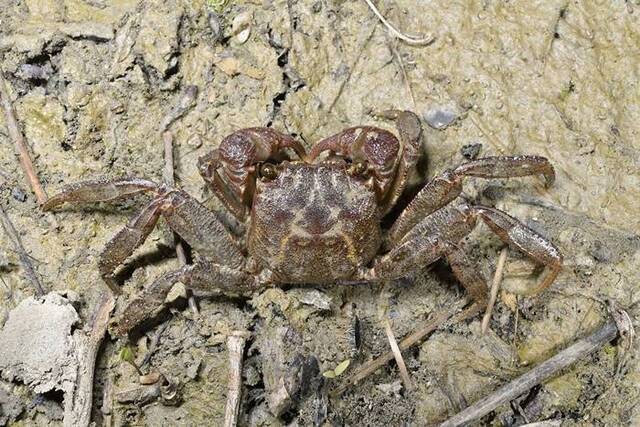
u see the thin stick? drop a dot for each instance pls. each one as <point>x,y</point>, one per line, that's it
<point>168,176</point>
<point>428,39</point>
<point>29,271</point>
<point>408,342</point>
<point>404,374</point>
<point>405,75</point>
<point>186,101</point>
<point>235,344</point>
<point>77,411</point>
<point>107,402</point>
<point>19,142</point>
<point>495,286</point>
<point>536,376</point>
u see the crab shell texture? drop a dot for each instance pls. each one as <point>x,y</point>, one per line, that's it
<point>314,222</point>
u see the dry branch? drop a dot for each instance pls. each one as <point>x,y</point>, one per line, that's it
<point>404,374</point>
<point>235,345</point>
<point>186,101</point>
<point>497,279</point>
<point>19,142</point>
<point>408,342</point>
<point>167,139</point>
<point>536,376</point>
<point>77,411</point>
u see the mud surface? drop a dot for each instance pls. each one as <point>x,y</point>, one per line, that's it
<point>92,82</point>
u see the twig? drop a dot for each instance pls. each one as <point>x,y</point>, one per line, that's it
<point>404,374</point>
<point>77,406</point>
<point>185,103</point>
<point>536,376</point>
<point>408,342</point>
<point>19,142</point>
<point>187,100</point>
<point>497,279</point>
<point>29,272</point>
<point>405,75</point>
<point>428,39</point>
<point>154,343</point>
<point>107,401</point>
<point>235,345</point>
<point>167,139</point>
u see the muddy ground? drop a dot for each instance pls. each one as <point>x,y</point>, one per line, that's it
<point>92,81</point>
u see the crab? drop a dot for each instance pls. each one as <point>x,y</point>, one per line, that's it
<point>315,217</point>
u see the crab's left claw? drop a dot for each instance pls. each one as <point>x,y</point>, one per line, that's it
<point>231,169</point>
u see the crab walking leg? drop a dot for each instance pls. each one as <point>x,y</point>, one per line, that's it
<point>200,228</point>
<point>203,278</point>
<point>125,241</point>
<point>439,235</point>
<point>99,190</point>
<point>427,242</point>
<point>191,220</point>
<point>469,275</point>
<point>448,185</point>
<point>520,237</point>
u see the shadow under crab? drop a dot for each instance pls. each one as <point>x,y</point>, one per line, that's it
<point>315,218</point>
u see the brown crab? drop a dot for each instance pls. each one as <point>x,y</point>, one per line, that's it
<point>315,218</point>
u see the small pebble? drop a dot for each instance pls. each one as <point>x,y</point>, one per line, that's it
<point>35,72</point>
<point>177,291</point>
<point>317,299</point>
<point>440,118</point>
<point>193,369</point>
<point>241,27</point>
<point>215,26</point>
<point>195,141</point>
<point>471,151</point>
<point>150,378</point>
<point>19,194</point>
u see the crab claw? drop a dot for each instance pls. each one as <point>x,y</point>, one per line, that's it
<point>231,169</point>
<point>372,151</point>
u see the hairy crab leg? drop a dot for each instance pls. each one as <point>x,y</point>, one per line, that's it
<point>447,186</point>
<point>126,240</point>
<point>427,242</point>
<point>187,217</point>
<point>440,233</point>
<point>99,190</point>
<point>520,237</point>
<point>203,278</point>
<point>468,274</point>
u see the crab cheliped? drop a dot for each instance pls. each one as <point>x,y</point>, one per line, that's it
<point>316,217</point>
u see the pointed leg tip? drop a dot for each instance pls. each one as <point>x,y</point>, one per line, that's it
<point>50,203</point>
<point>549,179</point>
<point>387,114</point>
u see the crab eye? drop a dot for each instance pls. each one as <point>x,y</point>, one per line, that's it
<point>268,171</point>
<point>358,168</point>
